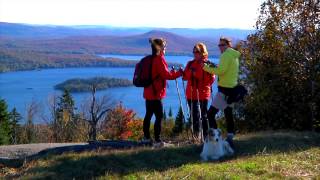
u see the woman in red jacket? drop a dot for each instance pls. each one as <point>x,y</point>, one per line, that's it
<point>198,87</point>
<point>157,90</point>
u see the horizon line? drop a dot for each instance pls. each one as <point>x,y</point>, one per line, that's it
<point>113,26</point>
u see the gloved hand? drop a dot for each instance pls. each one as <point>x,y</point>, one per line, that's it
<point>211,64</point>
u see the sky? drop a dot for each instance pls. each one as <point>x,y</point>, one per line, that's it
<point>239,14</point>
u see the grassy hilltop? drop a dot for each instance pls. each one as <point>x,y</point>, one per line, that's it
<point>265,155</point>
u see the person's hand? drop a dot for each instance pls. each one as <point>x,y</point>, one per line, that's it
<point>180,71</point>
<point>211,64</point>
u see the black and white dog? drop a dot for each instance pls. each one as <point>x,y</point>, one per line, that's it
<point>214,146</point>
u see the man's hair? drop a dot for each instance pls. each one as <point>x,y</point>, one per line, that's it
<point>202,49</point>
<point>226,40</point>
<point>157,44</point>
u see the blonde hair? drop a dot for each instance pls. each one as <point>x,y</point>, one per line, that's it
<point>202,49</point>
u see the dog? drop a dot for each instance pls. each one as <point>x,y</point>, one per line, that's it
<point>215,147</point>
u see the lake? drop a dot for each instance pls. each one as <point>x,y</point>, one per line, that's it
<point>20,88</point>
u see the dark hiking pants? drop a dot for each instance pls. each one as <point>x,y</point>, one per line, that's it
<point>153,107</point>
<point>227,112</point>
<point>194,110</point>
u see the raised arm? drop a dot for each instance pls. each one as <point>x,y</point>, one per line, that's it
<point>164,72</point>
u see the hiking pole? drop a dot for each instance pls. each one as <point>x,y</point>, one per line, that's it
<point>183,116</point>
<point>200,118</point>
<point>185,96</point>
<point>188,108</point>
<point>191,110</point>
<point>191,115</point>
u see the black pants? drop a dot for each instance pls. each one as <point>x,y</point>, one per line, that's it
<point>194,110</point>
<point>153,107</point>
<point>227,112</point>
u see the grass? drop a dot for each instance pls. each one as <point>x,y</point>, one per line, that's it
<point>265,155</point>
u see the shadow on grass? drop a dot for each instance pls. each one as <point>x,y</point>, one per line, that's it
<point>276,142</point>
<point>67,167</point>
<point>123,163</point>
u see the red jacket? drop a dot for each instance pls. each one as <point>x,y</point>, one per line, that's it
<point>198,79</point>
<point>160,74</point>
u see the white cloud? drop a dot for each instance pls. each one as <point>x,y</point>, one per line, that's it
<point>152,13</point>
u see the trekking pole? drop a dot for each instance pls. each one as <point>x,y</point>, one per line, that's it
<point>191,114</point>
<point>200,118</point>
<point>188,115</point>
<point>188,108</point>
<point>183,116</point>
<point>185,96</point>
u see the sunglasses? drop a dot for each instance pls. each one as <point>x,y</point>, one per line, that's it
<point>220,45</point>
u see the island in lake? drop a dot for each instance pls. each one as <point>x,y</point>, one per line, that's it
<point>84,85</point>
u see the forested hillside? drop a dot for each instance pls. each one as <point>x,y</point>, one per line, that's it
<point>82,51</point>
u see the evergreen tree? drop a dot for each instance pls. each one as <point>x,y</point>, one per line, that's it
<point>4,123</point>
<point>164,115</point>
<point>178,126</point>
<point>66,105</point>
<point>170,112</point>
<point>14,118</point>
<point>65,123</point>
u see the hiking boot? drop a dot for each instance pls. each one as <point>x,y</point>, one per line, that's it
<point>230,141</point>
<point>158,143</point>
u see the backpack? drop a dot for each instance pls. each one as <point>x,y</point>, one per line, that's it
<point>143,72</point>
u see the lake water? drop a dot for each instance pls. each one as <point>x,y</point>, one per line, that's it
<point>20,88</point>
<point>176,59</point>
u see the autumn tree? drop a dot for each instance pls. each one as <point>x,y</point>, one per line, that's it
<point>119,124</point>
<point>281,66</point>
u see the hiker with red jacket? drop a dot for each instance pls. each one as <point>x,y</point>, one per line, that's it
<point>157,90</point>
<point>198,87</point>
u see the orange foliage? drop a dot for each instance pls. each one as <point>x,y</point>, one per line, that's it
<point>120,123</point>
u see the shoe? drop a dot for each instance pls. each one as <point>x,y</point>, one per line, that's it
<point>146,141</point>
<point>158,143</point>
<point>230,141</point>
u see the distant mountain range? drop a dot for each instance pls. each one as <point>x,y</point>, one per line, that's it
<point>51,31</point>
<point>104,39</point>
<point>29,46</point>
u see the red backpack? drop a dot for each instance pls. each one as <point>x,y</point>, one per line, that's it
<point>143,72</point>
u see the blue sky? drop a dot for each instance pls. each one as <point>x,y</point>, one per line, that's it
<point>134,13</point>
